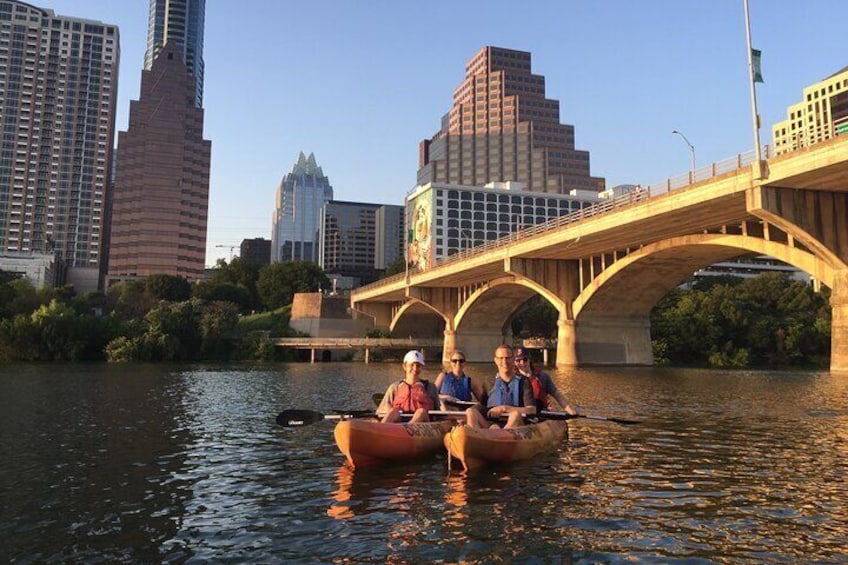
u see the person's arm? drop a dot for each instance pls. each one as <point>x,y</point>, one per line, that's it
<point>439,380</point>
<point>528,400</point>
<point>553,391</point>
<point>388,398</point>
<point>433,392</point>
<point>478,390</point>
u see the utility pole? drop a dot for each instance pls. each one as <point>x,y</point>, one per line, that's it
<point>691,150</point>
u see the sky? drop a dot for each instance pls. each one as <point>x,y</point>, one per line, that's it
<point>360,83</point>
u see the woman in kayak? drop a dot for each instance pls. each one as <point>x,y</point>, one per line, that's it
<point>454,384</point>
<point>511,395</point>
<point>411,395</point>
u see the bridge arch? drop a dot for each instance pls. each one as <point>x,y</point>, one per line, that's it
<point>501,298</point>
<point>660,266</point>
<point>417,318</point>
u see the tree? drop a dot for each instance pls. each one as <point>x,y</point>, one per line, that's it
<point>278,282</point>
<point>239,272</point>
<point>168,287</point>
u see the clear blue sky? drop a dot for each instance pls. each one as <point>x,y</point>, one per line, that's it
<point>361,82</point>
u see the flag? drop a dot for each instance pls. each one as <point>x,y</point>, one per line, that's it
<point>756,55</point>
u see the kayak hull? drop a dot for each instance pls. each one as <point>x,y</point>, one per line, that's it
<point>479,447</point>
<point>369,444</point>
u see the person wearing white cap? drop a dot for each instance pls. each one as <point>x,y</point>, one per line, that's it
<point>410,395</point>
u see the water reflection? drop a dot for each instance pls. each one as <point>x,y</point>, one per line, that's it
<point>152,464</point>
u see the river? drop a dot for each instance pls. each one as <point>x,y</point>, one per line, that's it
<point>175,464</point>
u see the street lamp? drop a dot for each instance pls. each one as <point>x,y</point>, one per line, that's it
<point>466,239</point>
<point>691,150</point>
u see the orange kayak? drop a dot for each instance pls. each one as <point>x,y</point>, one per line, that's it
<point>477,447</point>
<point>367,443</point>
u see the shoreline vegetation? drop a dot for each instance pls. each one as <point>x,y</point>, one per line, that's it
<point>722,322</point>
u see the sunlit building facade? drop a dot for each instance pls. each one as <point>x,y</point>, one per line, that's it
<point>58,92</point>
<point>502,127</point>
<point>822,114</point>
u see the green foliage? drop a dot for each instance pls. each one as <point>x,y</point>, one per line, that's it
<point>766,320</point>
<point>537,318</point>
<point>278,282</point>
<point>224,292</point>
<point>130,299</point>
<point>167,287</point>
<point>242,274</point>
<point>275,324</point>
<point>399,266</point>
<point>55,332</point>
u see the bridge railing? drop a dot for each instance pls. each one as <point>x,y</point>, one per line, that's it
<point>710,171</point>
<point>639,195</point>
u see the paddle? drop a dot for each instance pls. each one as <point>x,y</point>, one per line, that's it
<point>300,418</point>
<point>551,414</point>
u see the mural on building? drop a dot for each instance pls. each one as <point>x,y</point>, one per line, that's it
<point>420,248</point>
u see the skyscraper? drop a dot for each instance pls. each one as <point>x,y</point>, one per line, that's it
<point>180,22</point>
<point>58,90</point>
<point>161,196</point>
<point>296,221</point>
<point>502,128</point>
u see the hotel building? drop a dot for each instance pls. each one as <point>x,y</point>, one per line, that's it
<point>502,127</point>
<point>58,90</point>
<point>822,114</point>
<point>448,218</point>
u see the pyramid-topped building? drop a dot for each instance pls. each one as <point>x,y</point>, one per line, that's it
<point>502,127</point>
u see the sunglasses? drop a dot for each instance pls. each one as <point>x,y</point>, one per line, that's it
<point>457,360</point>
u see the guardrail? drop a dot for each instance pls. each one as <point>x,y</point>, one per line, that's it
<point>639,195</point>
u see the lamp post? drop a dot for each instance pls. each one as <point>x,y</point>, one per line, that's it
<point>466,239</point>
<point>691,150</point>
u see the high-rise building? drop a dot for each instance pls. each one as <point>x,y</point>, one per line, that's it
<point>161,197</point>
<point>296,220</point>
<point>502,128</point>
<point>180,22</point>
<point>822,114</point>
<point>256,250</point>
<point>360,239</point>
<point>58,91</point>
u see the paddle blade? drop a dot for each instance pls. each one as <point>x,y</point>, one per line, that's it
<point>298,418</point>
<point>377,398</point>
<point>623,421</point>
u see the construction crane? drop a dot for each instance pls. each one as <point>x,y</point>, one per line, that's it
<point>231,248</point>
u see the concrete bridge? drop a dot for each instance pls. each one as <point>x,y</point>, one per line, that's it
<point>605,268</point>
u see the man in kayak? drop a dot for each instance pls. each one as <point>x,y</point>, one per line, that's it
<point>511,395</point>
<point>454,384</point>
<point>542,384</point>
<point>411,395</point>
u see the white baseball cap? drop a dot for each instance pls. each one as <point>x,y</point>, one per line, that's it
<point>414,357</point>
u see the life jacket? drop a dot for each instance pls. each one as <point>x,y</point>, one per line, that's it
<point>539,393</point>
<point>511,394</point>
<point>459,388</point>
<point>410,398</point>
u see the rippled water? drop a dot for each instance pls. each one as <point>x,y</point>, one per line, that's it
<point>185,464</point>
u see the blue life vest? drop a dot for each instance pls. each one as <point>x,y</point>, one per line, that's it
<point>507,394</point>
<point>459,388</point>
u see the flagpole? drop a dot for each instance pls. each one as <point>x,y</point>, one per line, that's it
<point>756,116</point>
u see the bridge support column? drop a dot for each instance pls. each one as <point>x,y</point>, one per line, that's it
<point>615,341</point>
<point>449,347</point>
<point>566,352</point>
<point>839,324</point>
<point>479,345</point>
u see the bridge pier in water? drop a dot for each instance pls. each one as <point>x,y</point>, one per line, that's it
<point>839,324</point>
